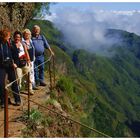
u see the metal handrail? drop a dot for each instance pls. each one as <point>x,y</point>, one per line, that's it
<point>29,100</point>
<point>8,85</point>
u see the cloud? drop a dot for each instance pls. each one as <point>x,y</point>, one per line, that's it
<point>86,28</point>
<point>50,17</point>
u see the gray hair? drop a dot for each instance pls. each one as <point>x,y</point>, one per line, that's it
<point>36,26</point>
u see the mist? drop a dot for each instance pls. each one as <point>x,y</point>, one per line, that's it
<point>86,28</point>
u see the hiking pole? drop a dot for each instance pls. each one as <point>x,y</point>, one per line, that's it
<point>5,111</point>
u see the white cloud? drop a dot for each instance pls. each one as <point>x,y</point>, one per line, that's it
<point>85,28</point>
<point>50,17</point>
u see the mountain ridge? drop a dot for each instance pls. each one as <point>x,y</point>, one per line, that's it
<point>104,90</point>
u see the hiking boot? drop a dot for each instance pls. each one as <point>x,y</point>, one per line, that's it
<point>2,106</point>
<point>43,84</point>
<point>31,92</point>
<point>17,103</point>
<point>37,83</point>
<point>9,101</point>
<point>35,88</point>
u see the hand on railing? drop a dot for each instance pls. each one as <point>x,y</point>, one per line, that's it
<point>14,65</point>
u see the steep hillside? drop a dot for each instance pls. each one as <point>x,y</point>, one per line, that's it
<point>103,92</point>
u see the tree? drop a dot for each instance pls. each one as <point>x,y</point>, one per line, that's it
<point>16,15</point>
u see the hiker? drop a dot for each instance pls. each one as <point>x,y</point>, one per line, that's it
<point>39,42</point>
<point>23,60</point>
<point>7,66</point>
<point>31,50</point>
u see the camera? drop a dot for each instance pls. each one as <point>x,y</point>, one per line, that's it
<point>7,62</point>
<point>7,59</point>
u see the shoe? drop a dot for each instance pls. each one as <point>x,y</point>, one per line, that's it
<point>37,83</point>
<point>2,106</point>
<point>9,101</point>
<point>31,92</point>
<point>43,84</point>
<point>17,103</point>
<point>35,88</point>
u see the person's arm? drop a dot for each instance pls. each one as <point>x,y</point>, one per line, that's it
<point>31,43</point>
<point>47,46</point>
<point>51,51</point>
<point>14,55</point>
<point>27,54</point>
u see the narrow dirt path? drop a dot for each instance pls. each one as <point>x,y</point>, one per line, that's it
<point>15,126</point>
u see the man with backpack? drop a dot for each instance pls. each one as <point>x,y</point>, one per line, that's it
<point>40,43</point>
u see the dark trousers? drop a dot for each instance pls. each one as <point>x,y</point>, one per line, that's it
<point>39,72</point>
<point>11,77</point>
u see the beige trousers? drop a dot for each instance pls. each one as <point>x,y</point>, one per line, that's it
<point>32,77</point>
<point>22,71</point>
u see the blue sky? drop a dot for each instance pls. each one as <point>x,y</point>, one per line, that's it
<point>99,5</point>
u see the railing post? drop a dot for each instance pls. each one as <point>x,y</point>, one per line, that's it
<point>50,75</point>
<point>5,114</point>
<point>54,71</point>
<point>28,95</point>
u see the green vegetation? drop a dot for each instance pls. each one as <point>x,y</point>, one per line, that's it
<point>43,123</point>
<point>102,92</point>
<point>35,121</point>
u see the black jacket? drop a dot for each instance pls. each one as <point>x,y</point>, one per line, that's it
<point>8,51</point>
<point>14,51</point>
